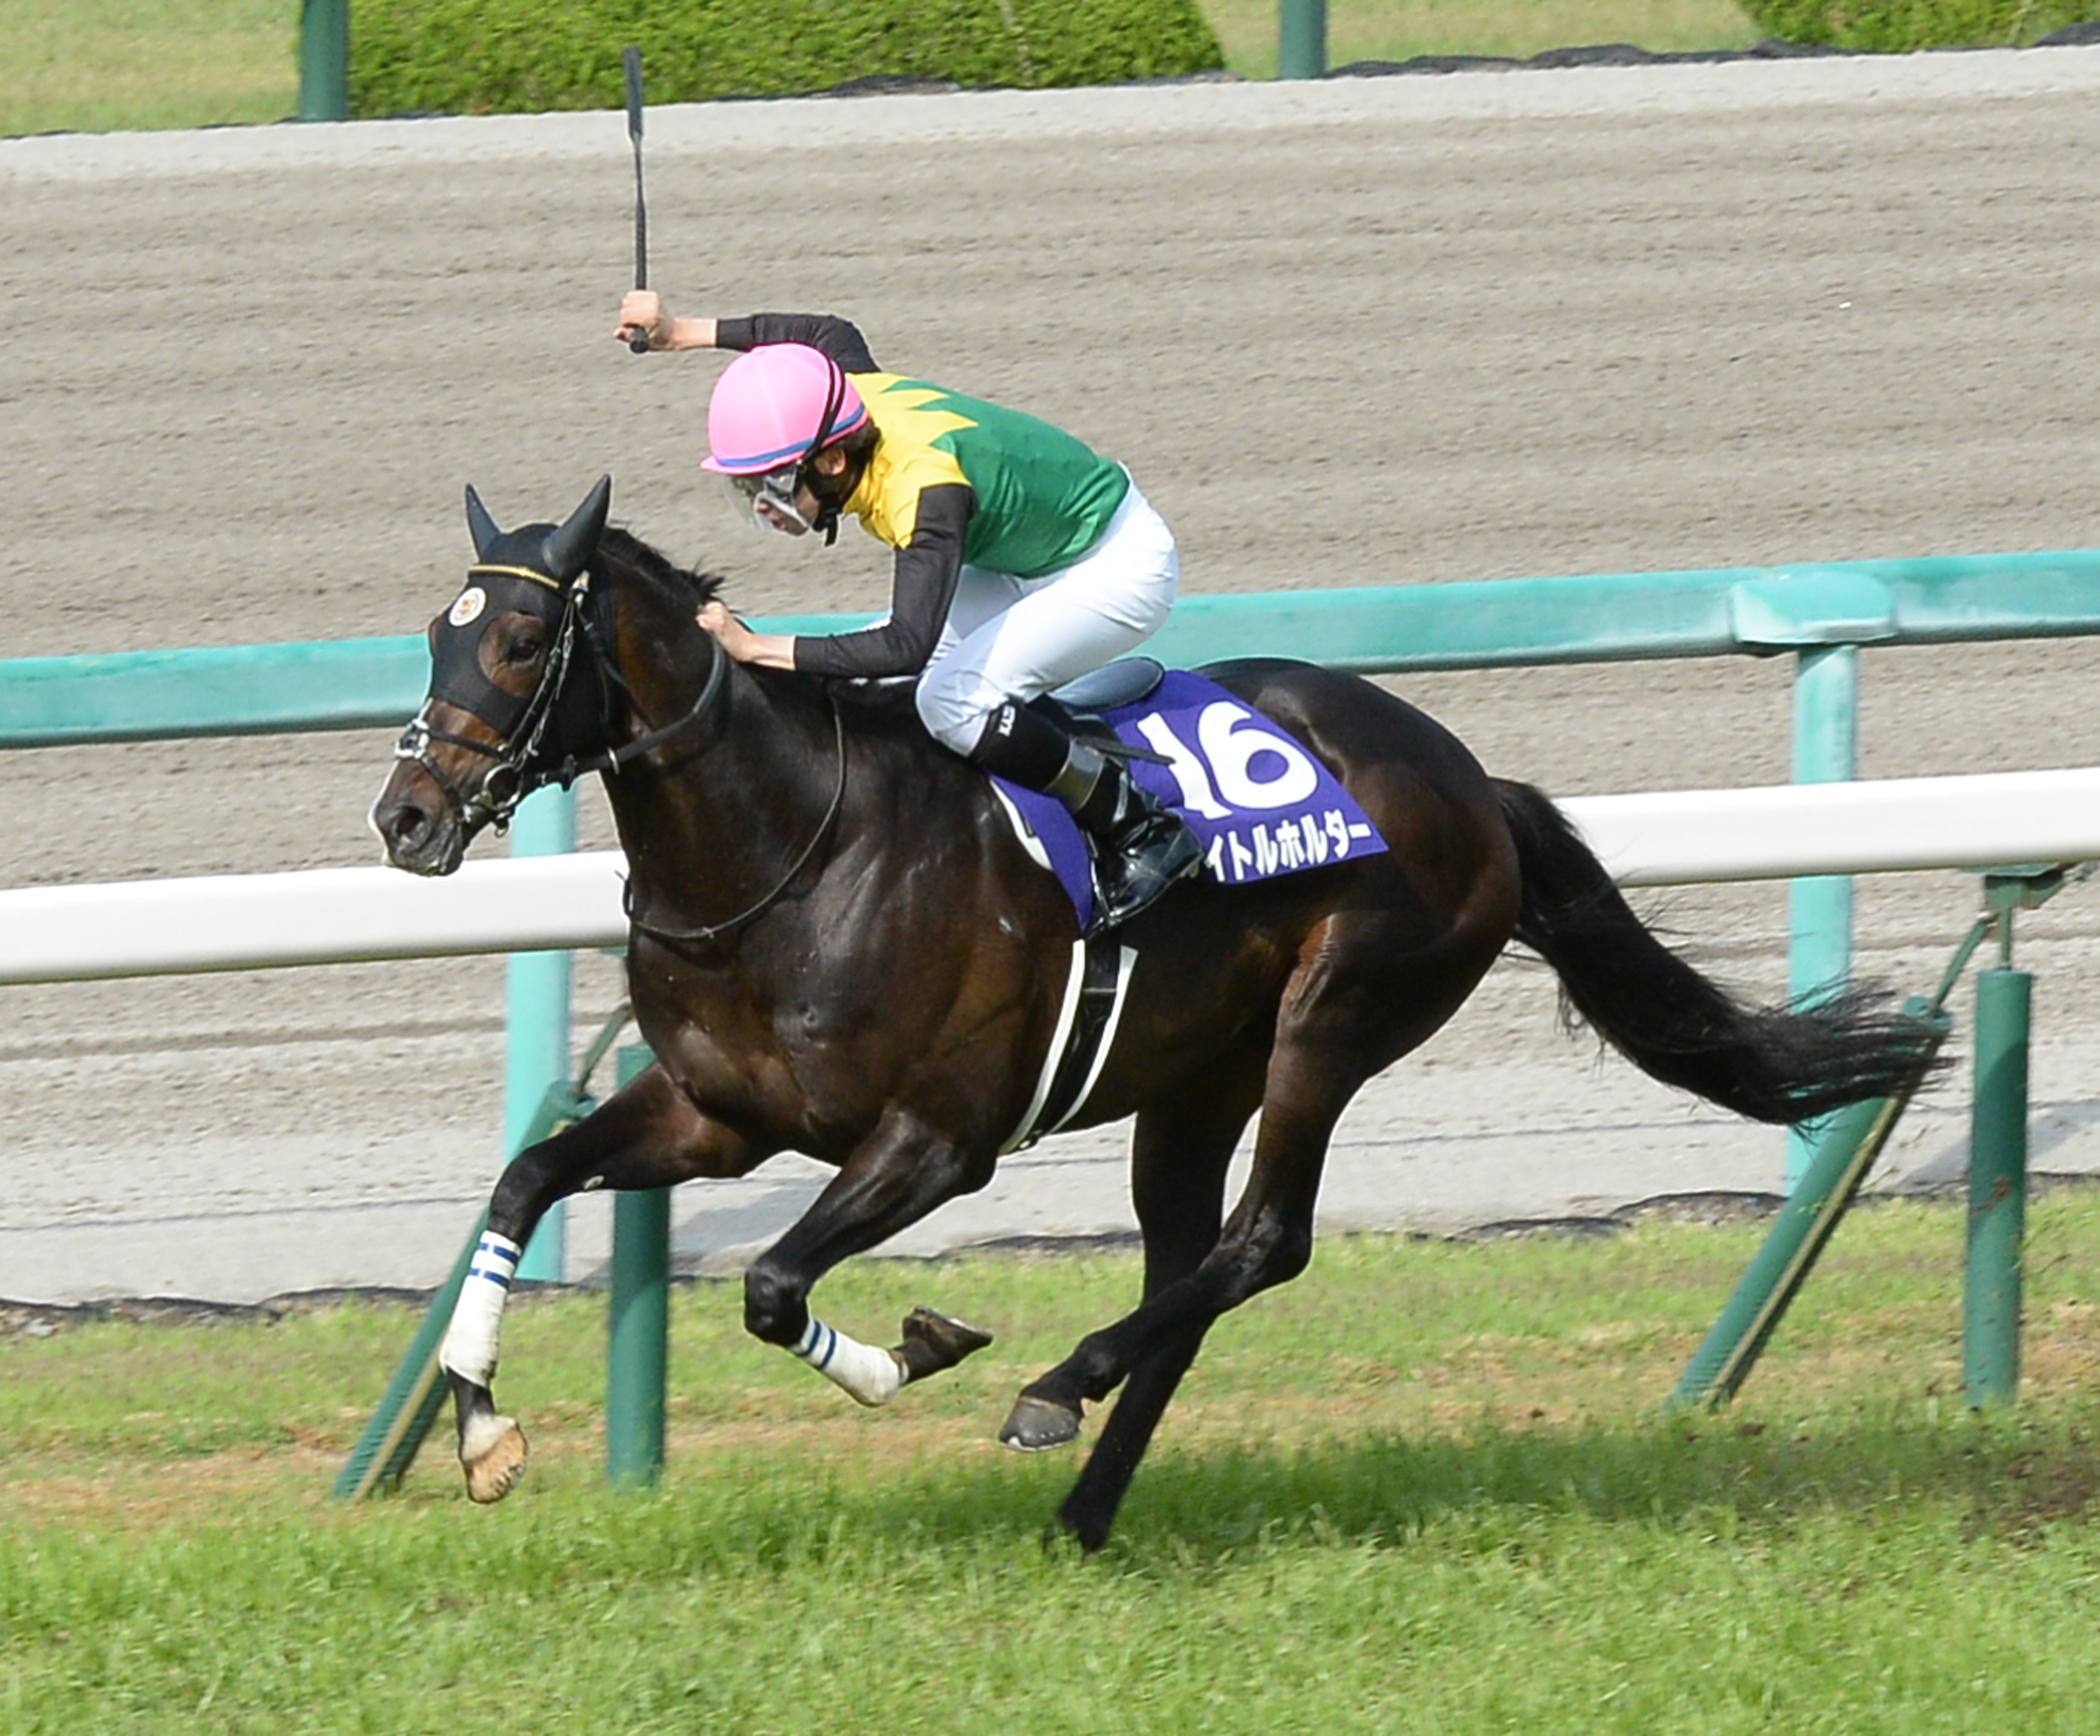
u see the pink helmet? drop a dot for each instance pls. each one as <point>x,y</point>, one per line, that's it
<point>774,406</point>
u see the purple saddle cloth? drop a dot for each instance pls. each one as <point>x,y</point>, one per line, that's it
<point>1259,803</point>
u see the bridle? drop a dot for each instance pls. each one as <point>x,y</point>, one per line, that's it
<point>519,768</point>
<point>521,726</point>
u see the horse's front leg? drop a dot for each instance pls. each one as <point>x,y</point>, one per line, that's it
<point>894,1179</point>
<point>647,1135</point>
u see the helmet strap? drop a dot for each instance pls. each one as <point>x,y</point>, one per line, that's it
<point>831,493</point>
<point>828,498</point>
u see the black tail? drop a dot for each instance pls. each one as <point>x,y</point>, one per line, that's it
<point>1771,1063</point>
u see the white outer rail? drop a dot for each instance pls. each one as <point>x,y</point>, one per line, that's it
<point>339,916</point>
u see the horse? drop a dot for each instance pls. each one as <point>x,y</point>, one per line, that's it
<point>840,947</point>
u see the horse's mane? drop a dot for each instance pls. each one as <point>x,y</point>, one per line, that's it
<point>623,547</point>
<point>886,706</point>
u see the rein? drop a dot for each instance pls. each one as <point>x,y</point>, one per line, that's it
<point>708,934</point>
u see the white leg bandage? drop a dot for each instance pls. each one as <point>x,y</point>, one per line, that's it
<point>873,1376</point>
<point>472,1340</point>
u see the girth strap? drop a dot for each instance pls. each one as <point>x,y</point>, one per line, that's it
<point>1094,992</point>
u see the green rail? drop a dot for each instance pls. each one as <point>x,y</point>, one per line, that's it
<point>1845,1149</point>
<point>1994,1275</point>
<point>1812,610</point>
<point>409,1406</point>
<point>1301,39</point>
<point>637,1354</point>
<point>1476,624</point>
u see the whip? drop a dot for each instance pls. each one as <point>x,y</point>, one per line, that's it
<point>639,342</point>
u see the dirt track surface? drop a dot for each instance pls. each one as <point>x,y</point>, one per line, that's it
<point>1393,331</point>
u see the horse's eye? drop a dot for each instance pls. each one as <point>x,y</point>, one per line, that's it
<point>524,648</point>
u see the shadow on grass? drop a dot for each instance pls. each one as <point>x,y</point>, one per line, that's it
<point>756,1520</point>
<point>2004,1476</point>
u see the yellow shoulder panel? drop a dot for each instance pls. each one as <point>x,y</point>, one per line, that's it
<point>906,461</point>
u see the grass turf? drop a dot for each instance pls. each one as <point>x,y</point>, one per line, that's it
<point>1427,1487</point>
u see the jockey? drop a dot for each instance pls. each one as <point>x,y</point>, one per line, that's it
<point>1023,560</point>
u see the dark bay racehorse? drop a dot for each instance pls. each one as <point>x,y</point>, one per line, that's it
<point>839,947</point>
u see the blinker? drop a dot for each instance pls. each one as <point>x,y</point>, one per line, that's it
<point>456,671</point>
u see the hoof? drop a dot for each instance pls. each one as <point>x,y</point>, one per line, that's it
<point>1089,1536</point>
<point>933,1343</point>
<point>1035,1425</point>
<point>494,1462</point>
<point>951,1340</point>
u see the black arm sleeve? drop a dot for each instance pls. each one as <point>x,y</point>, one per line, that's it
<point>923,587</point>
<point>840,339</point>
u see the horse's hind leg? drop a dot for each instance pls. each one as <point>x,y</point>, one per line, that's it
<point>1344,1020</point>
<point>1179,1157</point>
<point>648,1135</point>
<point>1267,1241</point>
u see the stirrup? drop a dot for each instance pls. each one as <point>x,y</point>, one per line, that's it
<point>1131,882</point>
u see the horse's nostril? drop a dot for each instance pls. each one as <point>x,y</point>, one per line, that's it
<point>408,825</point>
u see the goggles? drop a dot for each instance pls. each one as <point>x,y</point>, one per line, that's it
<point>775,490</point>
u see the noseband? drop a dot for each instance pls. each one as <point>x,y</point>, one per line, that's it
<point>456,680</point>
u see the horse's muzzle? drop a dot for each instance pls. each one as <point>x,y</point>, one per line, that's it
<point>420,835</point>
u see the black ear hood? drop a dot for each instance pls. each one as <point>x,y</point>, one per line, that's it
<point>568,552</point>
<point>557,552</point>
<point>528,571</point>
<point>481,525</point>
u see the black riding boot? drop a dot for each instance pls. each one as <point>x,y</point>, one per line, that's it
<point>1140,848</point>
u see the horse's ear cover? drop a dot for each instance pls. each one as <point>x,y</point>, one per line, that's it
<point>480,523</point>
<point>567,551</point>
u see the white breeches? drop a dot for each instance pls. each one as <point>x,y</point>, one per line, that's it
<point>1009,638</point>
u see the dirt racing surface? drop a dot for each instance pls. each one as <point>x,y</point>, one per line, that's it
<point>1378,331</point>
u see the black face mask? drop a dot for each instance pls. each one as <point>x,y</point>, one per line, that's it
<point>455,671</point>
<point>831,493</point>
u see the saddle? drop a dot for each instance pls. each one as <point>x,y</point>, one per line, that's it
<point>1268,808</point>
<point>1122,683</point>
<point>1079,707</point>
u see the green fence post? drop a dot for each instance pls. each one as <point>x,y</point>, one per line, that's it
<point>638,1351</point>
<point>324,59</point>
<point>1998,1188</point>
<point>538,1024</point>
<point>1848,1146</point>
<point>408,1408</point>
<point>1826,750</point>
<point>1301,39</point>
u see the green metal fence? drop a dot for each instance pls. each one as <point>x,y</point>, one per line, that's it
<point>1478,624</point>
<point>324,59</point>
<point>1823,614</point>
